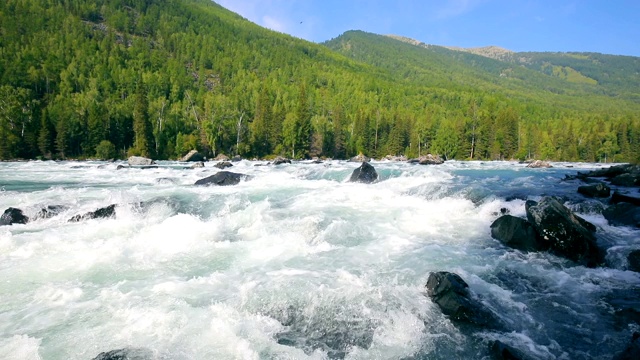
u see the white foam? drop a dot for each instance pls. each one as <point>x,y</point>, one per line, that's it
<point>20,347</point>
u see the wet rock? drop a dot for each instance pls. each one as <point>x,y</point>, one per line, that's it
<point>632,351</point>
<point>120,167</point>
<point>452,295</point>
<point>395,158</point>
<point>516,233</point>
<point>539,164</point>
<point>50,211</point>
<point>430,160</point>
<point>196,165</point>
<point>360,158</point>
<point>126,354</point>
<point>619,197</point>
<point>502,351</point>
<point>563,233</point>
<point>366,173</point>
<point>595,190</point>
<point>139,161</point>
<point>222,178</point>
<point>609,172</point>
<point>102,213</point>
<point>280,160</point>
<point>221,157</point>
<point>622,214</point>
<point>236,158</point>
<point>13,216</point>
<point>193,155</point>
<point>634,260</point>
<point>626,180</point>
<point>223,165</point>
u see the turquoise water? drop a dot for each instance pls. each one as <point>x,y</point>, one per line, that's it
<point>296,263</point>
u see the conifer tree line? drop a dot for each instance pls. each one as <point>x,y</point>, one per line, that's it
<point>157,78</point>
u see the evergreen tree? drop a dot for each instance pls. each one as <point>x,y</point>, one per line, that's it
<point>143,140</point>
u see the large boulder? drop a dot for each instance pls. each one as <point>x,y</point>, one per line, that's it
<point>280,160</point>
<point>452,295</point>
<point>539,164</point>
<point>563,233</point>
<point>430,160</point>
<point>609,172</point>
<point>366,173</point>
<point>221,157</point>
<point>50,211</point>
<point>516,233</point>
<point>595,190</point>
<point>13,216</point>
<point>222,178</point>
<point>619,197</point>
<point>622,214</point>
<point>102,213</point>
<point>193,155</point>
<point>139,161</point>
<point>626,180</point>
<point>236,158</point>
<point>126,354</point>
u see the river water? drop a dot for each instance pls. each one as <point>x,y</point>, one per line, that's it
<point>295,263</point>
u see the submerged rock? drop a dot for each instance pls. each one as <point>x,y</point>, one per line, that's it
<point>595,190</point>
<point>622,214</point>
<point>563,233</point>
<point>196,165</point>
<point>102,213</point>
<point>366,173</point>
<point>139,161</point>
<point>502,351</point>
<point>452,295</point>
<point>222,178</point>
<point>126,354</point>
<point>193,155</point>
<point>13,216</point>
<point>223,165</point>
<point>516,233</point>
<point>539,164</point>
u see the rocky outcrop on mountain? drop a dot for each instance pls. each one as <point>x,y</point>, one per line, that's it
<point>539,164</point>
<point>452,295</point>
<point>126,354</point>
<point>563,233</point>
<point>222,178</point>
<point>102,213</point>
<point>193,155</point>
<point>516,233</point>
<point>139,161</point>
<point>366,173</point>
<point>13,216</point>
<point>600,190</point>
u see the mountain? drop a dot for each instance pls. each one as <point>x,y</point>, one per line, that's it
<point>82,78</point>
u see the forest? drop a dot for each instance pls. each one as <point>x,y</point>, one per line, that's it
<point>109,79</point>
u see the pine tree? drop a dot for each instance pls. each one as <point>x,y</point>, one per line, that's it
<point>143,133</point>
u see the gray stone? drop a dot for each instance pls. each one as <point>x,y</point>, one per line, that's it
<point>13,216</point>
<point>595,190</point>
<point>139,161</point>
<point>222,178</point>
<point>516,233</point>
<point>366,173</point>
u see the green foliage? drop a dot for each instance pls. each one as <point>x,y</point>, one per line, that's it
<point>106,150</point>
<point>160,78</point>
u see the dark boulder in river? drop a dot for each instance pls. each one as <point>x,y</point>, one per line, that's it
<point>619,197</point>
<point>563,233</point>
<point>502,351</point>
<point>516,233</point>
<point>50,211</point>
<point>366,173</point>
<point>623,214</point>
<point>102,213</point>
<point>595,190</point>
<point>634,260</point>
<point>126,354</point>
<point>222,178</point>
<point>13,216</point>
<point>280,160</point>
<point>452,295</point>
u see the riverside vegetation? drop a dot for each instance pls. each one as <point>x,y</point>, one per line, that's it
<point>109,79</point>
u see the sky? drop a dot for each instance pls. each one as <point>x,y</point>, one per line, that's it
<point>604,26</point>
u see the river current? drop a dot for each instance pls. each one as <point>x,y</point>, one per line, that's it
<point>295,263</point>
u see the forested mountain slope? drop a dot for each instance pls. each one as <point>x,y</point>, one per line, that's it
<point>82,78</point>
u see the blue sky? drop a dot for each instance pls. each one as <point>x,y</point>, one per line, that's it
<point>605,26</point>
